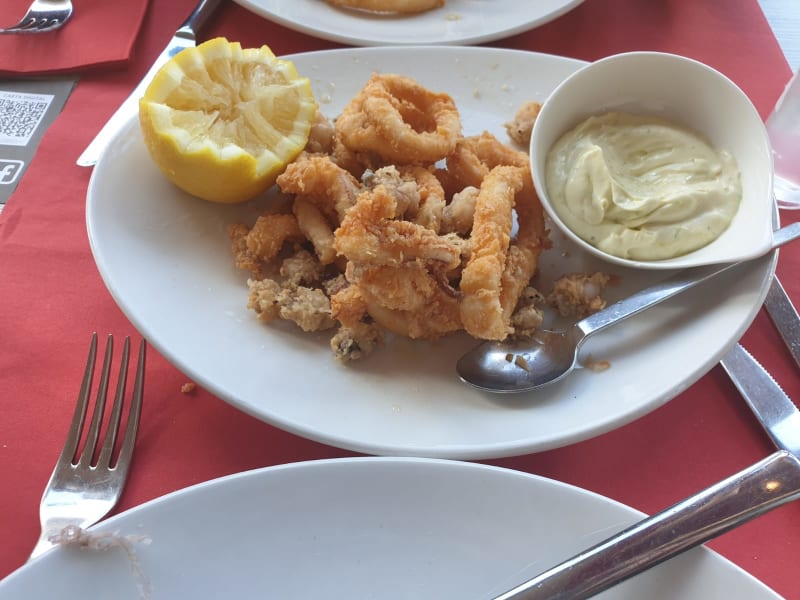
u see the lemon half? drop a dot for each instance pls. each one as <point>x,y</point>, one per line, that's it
<point>222,122</point>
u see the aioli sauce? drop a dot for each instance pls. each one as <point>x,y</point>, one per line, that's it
<point>640,187</point>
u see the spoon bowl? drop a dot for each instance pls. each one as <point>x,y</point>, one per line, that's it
<point>515,366</point>
<point>521,365</point>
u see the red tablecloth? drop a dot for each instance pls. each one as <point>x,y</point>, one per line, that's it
<point>100,35</point>
<point>53,297</point>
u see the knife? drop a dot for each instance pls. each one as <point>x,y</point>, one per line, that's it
<point>185,37</point>
<point>773,408</point>
<point>784,315</point>
<point>750,493</point>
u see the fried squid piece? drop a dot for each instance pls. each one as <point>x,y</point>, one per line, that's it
<point>369,233</point>
<point>497,270</point>
<point>309,308</point>
<point>401,121</point>
<point>578,294</point>
<point>473,157</point>
<point>323,182</point>
<point>519,130</point>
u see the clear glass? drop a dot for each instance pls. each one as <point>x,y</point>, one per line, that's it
<point>783,127</point>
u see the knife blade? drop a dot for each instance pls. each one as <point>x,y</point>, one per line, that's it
<point>184,37</point>
<point>759,488</point>
<point>776,412</point>
<point>784,315</point>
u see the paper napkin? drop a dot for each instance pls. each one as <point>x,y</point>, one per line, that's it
<point>100,34</point>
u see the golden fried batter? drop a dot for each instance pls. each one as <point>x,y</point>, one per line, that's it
<point>519,130</point>
<point>578,294</point>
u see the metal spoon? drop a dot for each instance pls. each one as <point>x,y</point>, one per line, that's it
<point>522,366</point>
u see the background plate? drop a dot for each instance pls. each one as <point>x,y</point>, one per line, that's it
<point>365,528</point>
<point>165,257</point>
<point>458,22</point>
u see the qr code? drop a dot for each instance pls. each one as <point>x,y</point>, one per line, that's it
<point>20,115</point>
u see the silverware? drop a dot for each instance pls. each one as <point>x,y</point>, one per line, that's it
<point>761,487</point>
<point>784,315</point>
<point>185,37</point>
<point>773,408</point>
<point>513,366</point>
<point>81,491</point>
<point>42,16</point>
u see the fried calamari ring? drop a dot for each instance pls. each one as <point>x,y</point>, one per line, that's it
<point>495,274</point>
<point>523,253</point>
<point>431,196</point>
<point>438,317</point>
<point>420,197</point>
<point>318,178</point>
<point>405,287</point>
<point>474,156</point>
<point>370,234</point>
<point>389,6</point>
<point>400,120</point>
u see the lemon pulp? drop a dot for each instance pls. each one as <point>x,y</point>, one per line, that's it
<point>222,122</point>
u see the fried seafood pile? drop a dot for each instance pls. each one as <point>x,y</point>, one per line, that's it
<point>395,221</point>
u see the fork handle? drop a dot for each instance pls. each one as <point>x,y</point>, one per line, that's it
<point>759,488</point>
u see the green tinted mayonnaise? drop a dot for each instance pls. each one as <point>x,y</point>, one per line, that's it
<point>641,188</point>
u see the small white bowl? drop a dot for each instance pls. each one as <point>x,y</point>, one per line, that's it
<point>685,92</point>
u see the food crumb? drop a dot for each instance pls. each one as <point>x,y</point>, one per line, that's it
<point>509,357</point>
<point>188,387</point>
<point>74,536</point>
<point>597,366</point>
<point>520,361</point>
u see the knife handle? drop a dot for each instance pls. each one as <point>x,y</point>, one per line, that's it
<point>759,488</point>
<point>195,21</point>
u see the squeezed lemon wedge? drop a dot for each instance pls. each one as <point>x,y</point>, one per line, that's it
<point>222,122</point>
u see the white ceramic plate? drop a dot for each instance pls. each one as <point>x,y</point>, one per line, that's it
<point>165,257</point>
<point>383,528</point>
<point>458,22</point>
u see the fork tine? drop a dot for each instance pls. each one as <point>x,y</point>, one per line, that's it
<point>126,450</point>
<point>99,408</point>
<point>78,418</point>
<point>42,16</point>
<point>104,460</point>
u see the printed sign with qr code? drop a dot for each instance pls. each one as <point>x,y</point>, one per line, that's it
<point>20,115</point>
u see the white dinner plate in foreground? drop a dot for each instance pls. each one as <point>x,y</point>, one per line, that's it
<point>458,22</point>
<point>165,256</point>
<point>380,528</point>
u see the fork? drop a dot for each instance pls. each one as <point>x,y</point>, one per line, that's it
<point>81,491</point>
<point>43,15</point>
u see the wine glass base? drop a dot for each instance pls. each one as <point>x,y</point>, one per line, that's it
<point>787,194</point>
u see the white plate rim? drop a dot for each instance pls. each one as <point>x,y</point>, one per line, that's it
<point>326,22</point>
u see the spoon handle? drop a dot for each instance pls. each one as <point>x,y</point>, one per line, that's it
<point>683,280</point>
<point>747,494</point>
